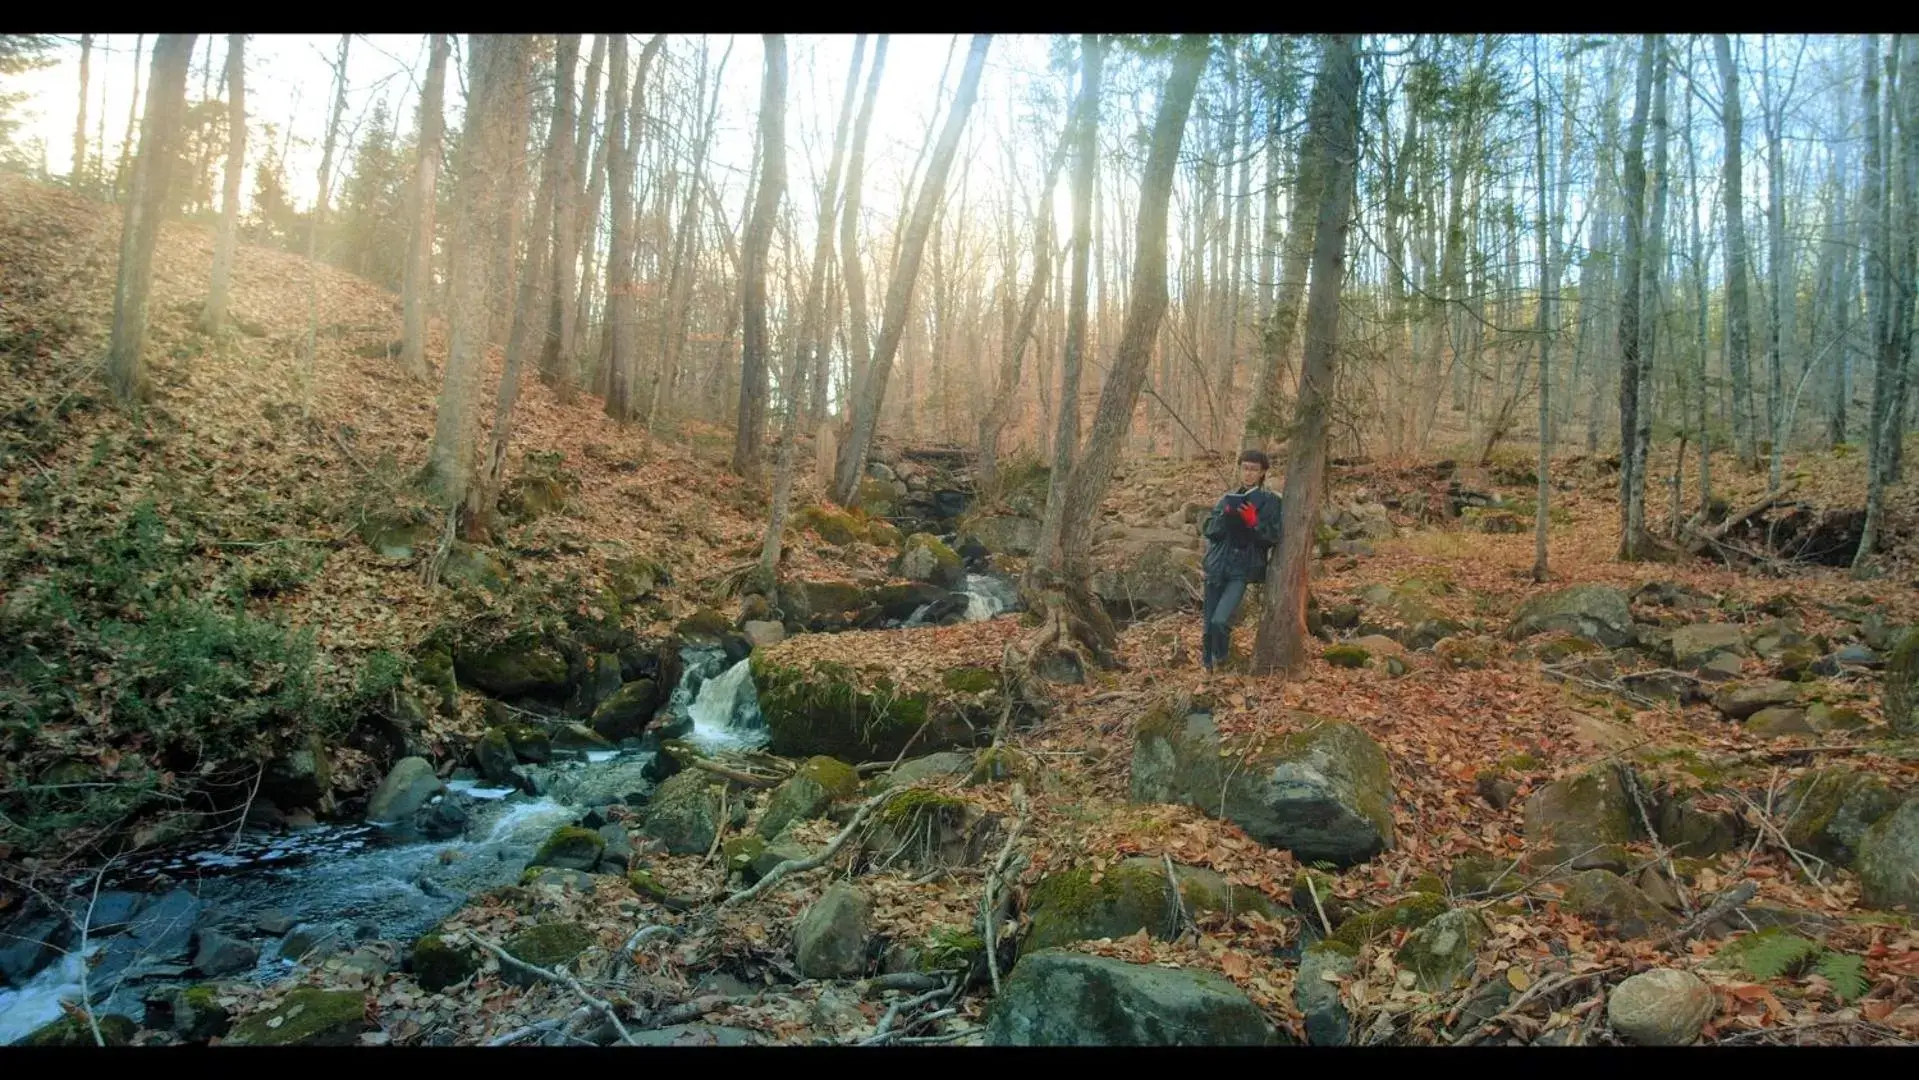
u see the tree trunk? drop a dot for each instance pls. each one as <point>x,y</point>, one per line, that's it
<point>556,348</point>
<point>1046,556</point>
<point>858,334</point>
<point>623,123</point>
<point>748,434</point>
<point>77,180</point>
<point>482,164</point>
<point>214,316</point>
<point>121,178</point>
<point>813,334</point>
<point>420,206</point>
<point>1738,322</point>
<point>1702,333</point>
<point>1878,262</point>
<point>1892,270</point>
<point>1280,647</point>
<point>1264,416</point>
<point>1783,294</point>
<point>1069,599</point>
<point>899,291</point>
<point>1632,277</point>
<point>587,230</point>
<point>318,222</point>
<point>1651,302</point>
<point>147,204</point>
<point>1548,290</point>
<point>527,305</point>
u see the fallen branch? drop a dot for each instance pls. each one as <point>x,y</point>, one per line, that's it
<point>599,1005</point>
<point>1779,837</point>
<point>1537,990</point>
<point>1605,687</point>
<point>719,828</point>
<point>989,900</point>
<point>1179,902</point>
<point>1700,540</point>
<point>905,980</point>
<point>884,1031</point>
<point>1725,904</point>
<point>1313,891</point>
<point>1659,846</point>
<point>800,866</point>
<point>687,1012</point>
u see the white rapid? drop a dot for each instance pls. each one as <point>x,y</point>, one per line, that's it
<point>726,714</point>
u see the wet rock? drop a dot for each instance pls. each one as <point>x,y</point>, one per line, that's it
<point>578,738</point>
<point>571,848</point>
<point>1741,701</point>
<point>223,954</point>
<point>30,943</point>
<point>437,963</point>
<point>628,710</point>
<point>193,1013</point>
<point>160,935</point>
<point>1323,792</point>
<point>924,558</point>
<point>115,1030</point>
<point>522,666</point>
<point>1069,999</point>
<point>407,787</point>
<point>493,756</point>
<point>829,941</point>
<point>1597,613</point>
<point>1662,1007</point>
<point>306,1017</point>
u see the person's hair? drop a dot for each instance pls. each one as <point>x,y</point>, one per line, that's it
<point>1257,457</point>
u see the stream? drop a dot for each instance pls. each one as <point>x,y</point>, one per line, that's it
<point>332,888</point>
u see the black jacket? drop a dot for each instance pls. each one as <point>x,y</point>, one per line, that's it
<point>1235,551</point>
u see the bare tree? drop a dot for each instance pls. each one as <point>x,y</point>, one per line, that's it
<point>623,127</point>
<point>1631,341</point>
<point>1738,321</point>
<point>871,391</point>
<point>1548,289</point>
<point>1281,644</point>
<point>77,179</point>
<point>556,348</point>
<point>146,205</point>
<point>120,175</point>
<point>1071,617</point>
<point>214,316</point>
<point>747,434</point>
<point>420,205</point>
<point>859,335</point>
<point>318,222</point>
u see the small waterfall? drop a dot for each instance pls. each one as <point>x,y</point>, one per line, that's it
<point>987,596</point>
<point>726,714</point>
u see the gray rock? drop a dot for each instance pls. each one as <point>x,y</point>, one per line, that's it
<point>161,934</point>
<point>1662,1007</point>
<point>1723,667</point>
<point>441,819</point>
<point>1614,904</point>
<point>1694,645</point>
<point>623,781</point>
<point>763,633</point>
<point>1779,720</point>
<point>1572,816</point>
<point>1827,812</point>
<point>407,787</point>
<point>312,942</point>
<point>1324,793</point>
<point>683,814</point>
<point>1005,533</point>
<point>931,767</point>
<point>798,798</point>
<point>626,712</point>
<point>829,941</point>
<point>1327,1021</point>
<point>697,1035</point>
<point>1902,685</point>
<point>222,954</point>
<point>1859,656</point>
<point>1595,612</point>
<point>30,943</point>
<point>1888,861</point>
<point>273,922</point>
<point>1070,999</point>
<point>1740,701</point>
<point>1440,954</point>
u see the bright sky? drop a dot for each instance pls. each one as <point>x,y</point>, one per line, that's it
<point>289,84</point>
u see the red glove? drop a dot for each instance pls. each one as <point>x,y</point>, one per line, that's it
<point>1249,515</point>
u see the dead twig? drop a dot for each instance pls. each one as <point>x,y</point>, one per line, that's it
<point>1658,845</point>
<point>1537,990</point>
<point>1183,920</point>
<point>719,827</point>
<point>603,1007</point>
<point>884,1032</point>
<point>1779,837</point>
<point>1313,891</point>
<point>1724,904</point>
<point>989,900</point>
<point>800,866</point>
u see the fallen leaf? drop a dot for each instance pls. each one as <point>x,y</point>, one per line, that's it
<point>1517,978</point>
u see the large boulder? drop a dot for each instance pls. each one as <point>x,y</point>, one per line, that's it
<point>924,558</point>
<point>1742,700</point>
<point>1828,811</point>
<point>912,771</point>
<point>815,704</point>
<point>1405,613</point>
<point>1902,685</point>
<point>829,941</point>
<point>1084,904</point>
<point>1583,818</point>
<point>1661,1007</point>
<point>807,793</point>
<point>1148,575</point>
<point>1070,999</point>
<point>408,786</point>
<point>525,665</point>
<point>1595,612</point>
<point>684,814</point>
<point>306,1017</point>
<point>823,604</point>
<point>626,713</point>
<point>571,847</point>
<point>1004,533</point>
<point>1888,862</point>
<point>1323,792</point>
<point>1614,904</point>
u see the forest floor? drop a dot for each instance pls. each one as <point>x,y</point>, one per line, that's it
<point>262,467</point>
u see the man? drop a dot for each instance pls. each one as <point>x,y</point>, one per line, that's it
<point>1240,532</point>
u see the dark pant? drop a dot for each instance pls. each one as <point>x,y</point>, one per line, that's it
<point>1223,595</point>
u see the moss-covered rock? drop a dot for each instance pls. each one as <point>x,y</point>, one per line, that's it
<point>1323,792</point>
<point>634,578</point>
<point>970,680</point>
<point>1741,700</point>
<point>643,883</point>
<point>306,1017</point>
<point>194,1013</point>
<point>553,946</point>
<point>921,769</point>
<point>522,666</point>
<point>1693,646</point>
<point>578,738</point>
<point>924,558</point>
<point>833,526</point>
<point>824,604</point>
<point>1888,861</point>
<point>1411,912</point>
<point>739,853</point>
<point>571,848</point>
<point>1598,613</point>
<point>824,707</point>
<point>493,755</point>
<point>1476,876</point>
<point>684,814</point>
<point>1056,998</point>
<point>1828,811</point>
<point>1000,764</point>
<point>1830,718</point>
<point>1560,648</point>
<point>1688,830</point>
<point>1567,818</point>
<point>1083,904</point>
<point>1777,720</point>
<point>829,941</point>
<point>115,1030</point>
<point>626,714</point>
<point>438,964</point>
<point>1003,533</point>
<point>901,601</point>
<point>1901,698</point>
<point>1467,652</point>
<point>877,498</point>
<point>1346,656</point>
<point>1405,613</point>
<point>923,827</point>
<point>796,799</point>
<point>1614,904</point>
<point>1440,954</point>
